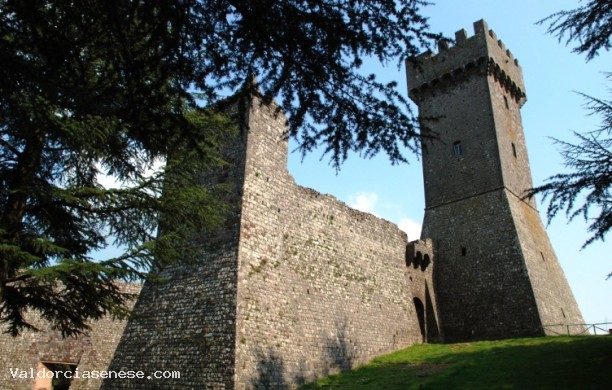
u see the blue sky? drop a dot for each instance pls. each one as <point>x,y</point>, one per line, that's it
<point>552,76</point>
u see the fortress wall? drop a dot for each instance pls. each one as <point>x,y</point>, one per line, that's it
<point>91,351</point>
<point>483,289</point>
<point>304,286</point>
<point>321,287</point>
<point>556,304</point>
<point>299,285</point>
<point>448,177</point>
<point>186,322</point>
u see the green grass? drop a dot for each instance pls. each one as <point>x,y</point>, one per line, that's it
<point>534,363</point>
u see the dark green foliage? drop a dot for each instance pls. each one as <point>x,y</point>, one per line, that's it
<point>585,190</point>
<point>82,92</point>
<point>590,26</point>
<point>307,55</point>
<point>100,86</point>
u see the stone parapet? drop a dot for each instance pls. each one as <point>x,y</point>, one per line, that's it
<point>482,48</point>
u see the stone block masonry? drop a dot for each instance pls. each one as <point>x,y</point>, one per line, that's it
<point>40,350</point>
<point>321,287</point>
<point>306,287</point>
<point>185,323</point>
<point>297,285</point>
<point>496,273</point>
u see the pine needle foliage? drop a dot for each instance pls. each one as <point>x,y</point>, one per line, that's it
<point>109,87</point>
<point>585,190</point>
<point>78,101</point>
<point>589,26</point>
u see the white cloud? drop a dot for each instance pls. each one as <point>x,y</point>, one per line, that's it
<point>368,201</point>
<point>108,181</point>
<point>412,228</point>
<point>363,201</point>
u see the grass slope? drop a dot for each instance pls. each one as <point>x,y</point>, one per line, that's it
<point>534,363</point>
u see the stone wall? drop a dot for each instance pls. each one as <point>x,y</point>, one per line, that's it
<point>297,285</point>
<point>496,273</point>
<point>91,351</point>
<point>306,287</point>
<point>185,324</point>
<point>187,321</point>
<point>483,286</point>
<point>557,308</point>
<point>301,286</point>
<point>321,287</point>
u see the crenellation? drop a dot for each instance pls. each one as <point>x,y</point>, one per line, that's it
<point>461,36</point>
<point>481,27</point>
<point>301,285</point>
<point>429,68</point>
<point>443,45</point>
<point>490,281</point>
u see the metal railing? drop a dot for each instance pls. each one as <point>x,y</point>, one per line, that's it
<point>601,328</point>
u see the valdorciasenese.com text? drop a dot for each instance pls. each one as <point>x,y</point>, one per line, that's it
<point>17,373</point>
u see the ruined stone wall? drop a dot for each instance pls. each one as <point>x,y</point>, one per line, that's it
<point>303,286</point>
<point>91,351</point>
<point>184,324</point>
<point>321,287</point>
<point>187,321</point>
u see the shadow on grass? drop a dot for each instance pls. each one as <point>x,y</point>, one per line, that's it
<point>538,363</point>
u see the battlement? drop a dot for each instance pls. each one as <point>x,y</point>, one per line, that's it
<point>481,49</point>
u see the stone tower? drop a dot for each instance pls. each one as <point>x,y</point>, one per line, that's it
<point>496,274</point>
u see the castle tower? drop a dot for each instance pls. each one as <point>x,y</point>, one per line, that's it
<point>496,273</point>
